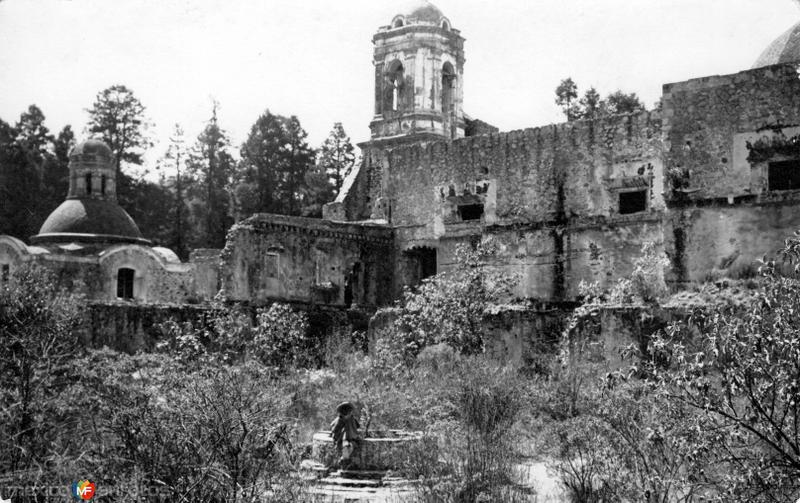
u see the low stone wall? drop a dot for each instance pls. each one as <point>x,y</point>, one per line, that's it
<point>522,336</point>
<point>132,327</point>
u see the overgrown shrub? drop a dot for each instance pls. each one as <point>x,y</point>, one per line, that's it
<point>736,367</point>
<point>38,349</point>
<point>449,307</point>
<point>278,337</point>
<point>201,433</point>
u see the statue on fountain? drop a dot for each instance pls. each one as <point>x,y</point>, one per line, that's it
<point>344,431</point>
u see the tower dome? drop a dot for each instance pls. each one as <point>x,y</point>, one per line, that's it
<point>90,212</point>
<point>423,12</point>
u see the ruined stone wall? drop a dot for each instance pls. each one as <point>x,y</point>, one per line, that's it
<point>550,195</point>
<point>573,168</point>
<point>291,258</point>
<point>130,327</point>
<point>602,252</point>
<point>708,121</point>
<point>722,132</point>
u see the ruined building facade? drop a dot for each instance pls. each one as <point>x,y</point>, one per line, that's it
<point>712,177</point>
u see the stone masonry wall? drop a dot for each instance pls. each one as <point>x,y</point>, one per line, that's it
<point>299,259</point>
<point>723,216</point>
<point>550,195</point>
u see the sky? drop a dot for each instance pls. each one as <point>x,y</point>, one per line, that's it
<point>313,58</point>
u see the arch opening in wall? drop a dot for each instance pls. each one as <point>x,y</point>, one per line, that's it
<point>445,25</point>
<point>125,280</point>
<point>395,78</point>
<point>398,22</point>
<point>103,185</point>
<point>448,87</point>
<point>88,179</point>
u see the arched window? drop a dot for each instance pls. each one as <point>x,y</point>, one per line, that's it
<point>393,98</point>
<point>448,87</point>
<point>445,25</point>
<point>397,23</point>
<point>125,279</point>
<point>103,185</point>
<point>88,183</point>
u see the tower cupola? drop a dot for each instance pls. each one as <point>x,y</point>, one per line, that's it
<point>91,172</point>
<point>419,65</point>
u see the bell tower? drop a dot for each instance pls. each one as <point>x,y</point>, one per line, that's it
<point>419,65</point>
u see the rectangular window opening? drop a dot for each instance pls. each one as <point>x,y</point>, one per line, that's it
<point>271,265</point>
<point>784,175</point>
<point>125,283</point>
<point>632,202</point>
<point>470,212</point>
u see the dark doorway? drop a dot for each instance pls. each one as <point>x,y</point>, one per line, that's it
<point>420,264</point>
<point>784,175</point>
<point>125,278</point>
<point>351,283</point>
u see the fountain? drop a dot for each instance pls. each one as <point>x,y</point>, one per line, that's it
<point>379,470</point>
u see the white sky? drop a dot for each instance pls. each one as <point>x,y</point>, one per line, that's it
<point>312,58</point>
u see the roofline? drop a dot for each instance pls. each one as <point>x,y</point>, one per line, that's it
<point>68,237</point>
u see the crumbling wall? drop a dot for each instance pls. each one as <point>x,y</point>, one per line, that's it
<point>276,257</point>
<point>573,168</point>
<point>702,120</point>
<point>550,196</point>
<point>721,133</point>
<point>130,327</point>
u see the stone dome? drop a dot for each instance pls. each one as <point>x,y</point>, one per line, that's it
<point>419,12</point>
<point>425,11</point>
<point>785,49</point>
<point>92,147</point>
<point>92,220</point>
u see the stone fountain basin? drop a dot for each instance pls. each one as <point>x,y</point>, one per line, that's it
<point>381,450</point>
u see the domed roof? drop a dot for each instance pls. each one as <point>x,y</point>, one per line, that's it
<point>89,219</point>
<point>423,10</point>
<point>420,12</point>
<point>91,147</point>
<point>785,49</point>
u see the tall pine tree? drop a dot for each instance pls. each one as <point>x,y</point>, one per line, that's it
<point>275,161</point>
<point>337,156</point>
<point>212,166</point>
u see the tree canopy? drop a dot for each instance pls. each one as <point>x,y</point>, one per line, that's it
<point>117,117</point>
<point>275,161</point>
<point>33,172</point>
<point>591,105</point>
